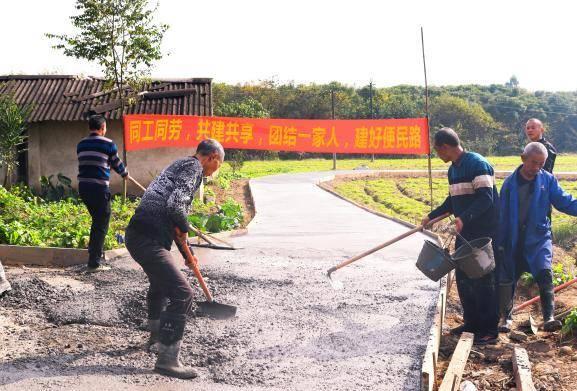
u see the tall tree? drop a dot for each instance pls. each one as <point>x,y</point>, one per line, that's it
<point>120,35</point>
<point>474,125</point>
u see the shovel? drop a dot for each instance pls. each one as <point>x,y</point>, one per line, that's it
<point>208,307</point>
<point>338,285</point>
<point>205,237</point>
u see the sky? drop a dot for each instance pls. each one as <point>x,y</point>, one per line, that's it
<point>317,41</point>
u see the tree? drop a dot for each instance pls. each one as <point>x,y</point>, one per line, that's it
<point>513,82</point>
<point>122,36</point>
<point>247,107</point>
<point>12,133</point>
<point>476,127</point>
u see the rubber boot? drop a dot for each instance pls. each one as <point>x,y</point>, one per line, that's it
<point>154,339</point>
<point>5,286</point>
<point>548,307</point>
<point>168,362</point>
<point>505,307</point>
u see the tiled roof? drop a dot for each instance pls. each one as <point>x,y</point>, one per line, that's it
<point>70,98</point>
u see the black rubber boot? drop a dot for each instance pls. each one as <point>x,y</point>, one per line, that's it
<point>154,339</point>
<point>171,333</point>
<point>548,306</point>
<point>505,307</point>
<point>168,362</point>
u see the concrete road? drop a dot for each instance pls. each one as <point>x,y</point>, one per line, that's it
<point>292,332</point>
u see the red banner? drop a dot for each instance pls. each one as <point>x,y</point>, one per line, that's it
<point>408,136</point>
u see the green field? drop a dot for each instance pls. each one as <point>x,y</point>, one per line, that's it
<point>253,169</point>
<point>408,199</point>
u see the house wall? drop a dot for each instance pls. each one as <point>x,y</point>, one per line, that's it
<point>52,150</point>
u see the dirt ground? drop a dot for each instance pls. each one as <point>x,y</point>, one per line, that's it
<point>65,329</point>
<point>490,367</point>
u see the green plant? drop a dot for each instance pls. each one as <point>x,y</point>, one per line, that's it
<point>570,324</point>
<point>236,159</point>
<point>31,221</point>
<point>224,178</point>
<point>527,279</point>
<point>560,275</point>
<point>12,133</point>
<point>59,190</point>
<point>228,216</point>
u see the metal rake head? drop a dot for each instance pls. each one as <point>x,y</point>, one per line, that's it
<point>336,284</point>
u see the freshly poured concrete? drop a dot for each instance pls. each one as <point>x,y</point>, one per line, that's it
<point>293,331</point>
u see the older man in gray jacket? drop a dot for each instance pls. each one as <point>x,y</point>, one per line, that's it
<point>160,219</point>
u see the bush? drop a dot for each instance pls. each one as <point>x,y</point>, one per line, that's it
<point>229,216</point>
<point>27,220</point>
<point>570,325</point>
<point>61,189</point>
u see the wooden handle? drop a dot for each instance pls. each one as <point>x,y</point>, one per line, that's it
<point>136,183</point>
<point>537,298</point>
<point>185,251</point>
<point>219,240</point>
<point>200,234</point>
<point>387,243</point>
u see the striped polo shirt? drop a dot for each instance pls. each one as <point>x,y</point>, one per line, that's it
<point>473,196</point>
<point>96,154</point>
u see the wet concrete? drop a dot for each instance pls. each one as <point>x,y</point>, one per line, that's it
<point>292,331</point>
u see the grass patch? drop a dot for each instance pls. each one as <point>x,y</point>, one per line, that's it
<point>254,169</point>
<point>408,199</point>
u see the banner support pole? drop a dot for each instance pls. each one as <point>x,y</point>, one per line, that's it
<point>427,116</point>
<point>333,117</point>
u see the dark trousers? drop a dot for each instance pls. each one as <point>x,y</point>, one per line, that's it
<point>97,200</point>
<point>479,301</point>
<point>544,280</point>
<point>169,295</point>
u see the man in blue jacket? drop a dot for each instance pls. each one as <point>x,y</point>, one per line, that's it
<point>525,231</point>
<point>474,201</point>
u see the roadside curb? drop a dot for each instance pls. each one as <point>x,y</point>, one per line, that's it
<point>61,257</point>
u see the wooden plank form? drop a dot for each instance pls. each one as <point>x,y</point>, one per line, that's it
<point>452,379</point>
<point>522,369</point>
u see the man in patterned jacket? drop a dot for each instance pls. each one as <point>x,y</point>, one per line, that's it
<point>473,200</point>
<point>161,218</point>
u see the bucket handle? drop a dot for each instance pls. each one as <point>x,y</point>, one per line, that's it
<point>447,241</point>
<point>460,236</point>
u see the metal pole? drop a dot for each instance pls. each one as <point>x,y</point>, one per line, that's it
<point>427,116</point>
<point>371,109</point>
<point>333,117</point>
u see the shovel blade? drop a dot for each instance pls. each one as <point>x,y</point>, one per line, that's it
<point>533,324</point>
<point>216,310</point>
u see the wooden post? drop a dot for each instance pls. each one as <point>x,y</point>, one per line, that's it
<point>452,379</point>
<point>427,115</point>
<point>333,117</point>
<point>522,370</point>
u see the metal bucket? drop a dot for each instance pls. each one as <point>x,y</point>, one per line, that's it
<point>434,261</point>
<point>475,258</point>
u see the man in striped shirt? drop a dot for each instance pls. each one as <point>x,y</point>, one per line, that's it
<point>96,154</point>
<point>473,200</point>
